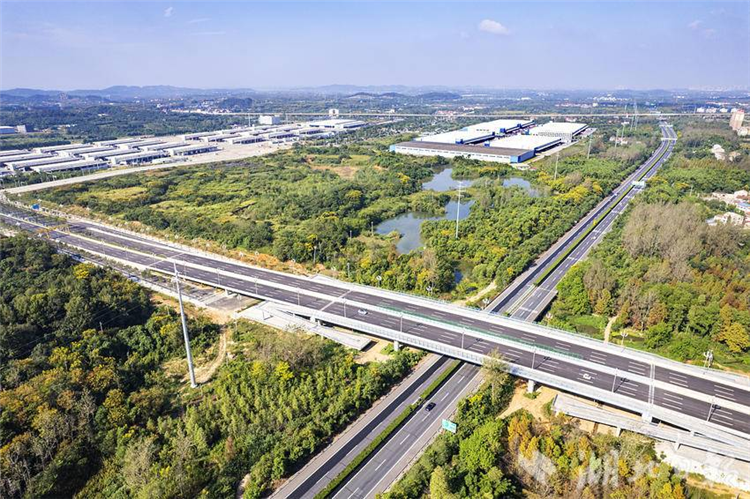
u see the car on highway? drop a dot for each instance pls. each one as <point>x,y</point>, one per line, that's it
<point>362,312</point>
<point>429,406</point>
<point>586,376</point>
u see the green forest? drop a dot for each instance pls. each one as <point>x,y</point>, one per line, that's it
<point>90,410</point>
<point>669,282</point>
<point>520,456</point>
<point>318,205</point>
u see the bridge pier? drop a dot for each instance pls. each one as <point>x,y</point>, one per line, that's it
<point>530,386</point>
<point>618,431</point>
<point>646,417</point>
<point>396,346</point>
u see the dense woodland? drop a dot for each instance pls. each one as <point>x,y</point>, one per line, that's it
<point>673,284</point>
<point>521,456</point>
<point>90,409</point>
<point>318,205</point>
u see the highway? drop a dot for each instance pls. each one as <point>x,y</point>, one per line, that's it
<point>720,399</point>
<point>526,301</point>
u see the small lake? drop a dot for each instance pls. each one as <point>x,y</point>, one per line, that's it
<point>523,184</point>
<point>409,225</point>
<point>443,181</point>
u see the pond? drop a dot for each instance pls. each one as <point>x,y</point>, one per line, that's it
<point>523,184</point>
<point>443,181</point>
<point>409,225</point>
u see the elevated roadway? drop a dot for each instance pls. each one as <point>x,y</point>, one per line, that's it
<point>712,403</point>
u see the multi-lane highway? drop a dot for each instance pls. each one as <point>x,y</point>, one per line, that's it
<point>679,391</point>
<point>525,299</point>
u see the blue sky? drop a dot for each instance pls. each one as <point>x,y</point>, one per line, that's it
<point>67,45</point>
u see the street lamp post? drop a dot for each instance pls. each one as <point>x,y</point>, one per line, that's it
<point>614,381</point>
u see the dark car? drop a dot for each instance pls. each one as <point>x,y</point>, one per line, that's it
<point>429,406</point>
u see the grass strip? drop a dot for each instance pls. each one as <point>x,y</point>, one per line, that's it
<point>387,432</point>
<point>565,254</point>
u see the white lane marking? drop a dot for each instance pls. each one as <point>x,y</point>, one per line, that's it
<point>672,398</point>
<point>381,464</point>
<point>667,404</point>
<point>406,437</point>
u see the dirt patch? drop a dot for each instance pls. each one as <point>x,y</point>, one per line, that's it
<point>374,353</point>
<point>534,406</point>
<point>346,172</point>
<point>487,289</point>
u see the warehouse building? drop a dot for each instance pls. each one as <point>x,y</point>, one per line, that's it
<point>566,132</point>
<point>246,139</point>
<point>23,157</point>
<point>458,137</point>
<point>25,165</point>
<point>192,149</point>
<point>196,136</point>
<point>136,158</point>
<point>64,147</point>
<point>85,149</point>
<point>269,120</point>
<point>107,155</point>
<point>337,124</point>
<point>117,142</point>
<point>140,143</point>
<point>13,152</point>
<point>72,166</point>
<point>447,150</point>
<point>528,142</point>
<point>501,127</point>
<point>163,146</point>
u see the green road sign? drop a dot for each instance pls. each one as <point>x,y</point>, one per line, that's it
<point>449,426</point>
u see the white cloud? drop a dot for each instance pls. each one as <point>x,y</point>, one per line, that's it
<point>199,20</point>
<point>168,11</point>
<point>493,27</point>
<point>695,24</point>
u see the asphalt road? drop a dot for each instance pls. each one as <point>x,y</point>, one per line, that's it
<point>377,473</point>
<point>535,299</point>
<point>407,318</point>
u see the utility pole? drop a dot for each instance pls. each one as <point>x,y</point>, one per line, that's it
<point>557,160</point>
<point>184,328</point>
<point>458,206</point>
<point>588,154</point>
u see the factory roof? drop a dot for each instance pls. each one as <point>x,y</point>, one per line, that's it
<point>558,127</point>
<point>456,136</point>
<point>502,124</point>
<point>63,147</point>
<point>162,146</point>
<point>24,157</point>
<point>335,122</point>
<point>107,154</point>
<point>118,141</point>
<point>524,142</point>
<point>140,155</point>
<point>439,146</point>
<point>72,165</point>
<point>88,149</point>
<point>13,152</point>
<point>190,148</point>
<point>147,142</point>
<point>35,162</point>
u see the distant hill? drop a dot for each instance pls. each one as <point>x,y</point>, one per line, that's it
<point>369,95</point>
<point>126,93</point>
<point>235,104</point>
<point>439,96</point>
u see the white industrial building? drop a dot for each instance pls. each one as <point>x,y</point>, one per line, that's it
<point>7,130</point>
<point>478,152</point>
<point>107,154</point>
<point>501,127</point>
<point>566,132</point>
<point>140,143</point>
<point>269,120</point>
<point>245,139</point>
<point>13,152</point>
<point>162,146</point>
<point>83,149</point>
<point>25,165</point>
<point>457,137</point>
<point>64,147</point>
<point>337,124</point>
<point>136,158</point>
<point>83,164</point>
<point>192,149</point>
<point>118,142</point>
<point>528,142</point>
<point>23,157</point>
<point>196,136</point>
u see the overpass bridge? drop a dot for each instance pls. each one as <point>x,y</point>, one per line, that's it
<point>706,402</point>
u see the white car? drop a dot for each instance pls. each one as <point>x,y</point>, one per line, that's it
<point>586,376</point>
<point>362,312</point>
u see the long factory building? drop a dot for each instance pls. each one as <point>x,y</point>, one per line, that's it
<point>504,141</point>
